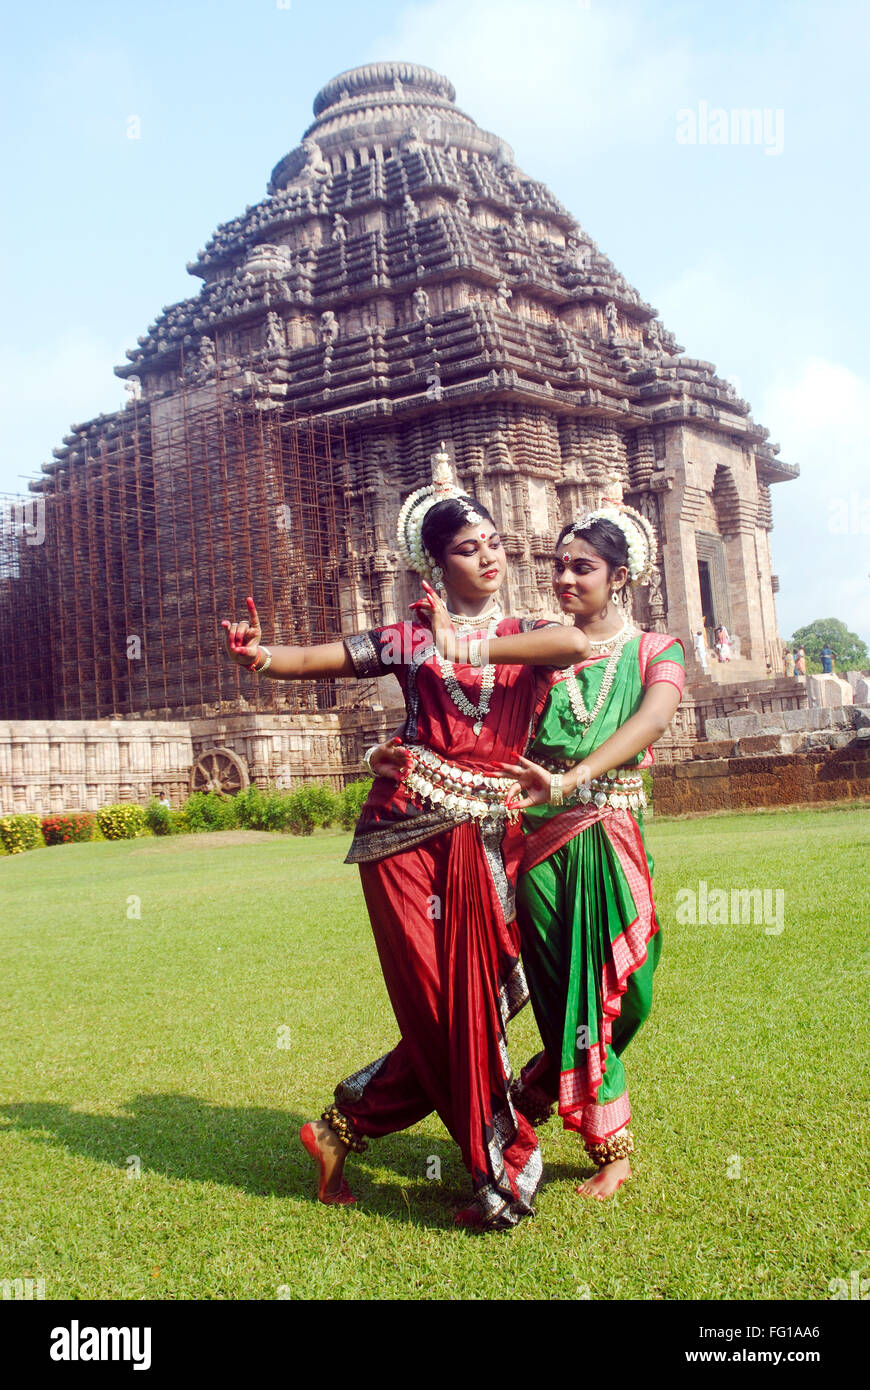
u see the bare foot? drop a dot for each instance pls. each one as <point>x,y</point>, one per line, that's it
<point>325,1146</point>
<point>605,1182</point>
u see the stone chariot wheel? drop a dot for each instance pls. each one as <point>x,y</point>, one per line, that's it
<point>219,770</point>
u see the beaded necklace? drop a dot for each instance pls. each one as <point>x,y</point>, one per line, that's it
<point>446,671</point>
<point>604,642</point>
<point>475,622</point>
<point>581,713</point>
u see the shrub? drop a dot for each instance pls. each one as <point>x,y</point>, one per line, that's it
<point>122,822</point>
<point>352,800</point>
<point>251,810</point>
<point>210,811</point>
<point>20,833</point>
<point>158,818</point>
<point>71,827</point>
<point>311,805</point>
<point>277,811</point>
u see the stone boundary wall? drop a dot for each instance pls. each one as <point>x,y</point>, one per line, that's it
<point>711,783</point>
<point>706,706</point>
<point>48,766</point>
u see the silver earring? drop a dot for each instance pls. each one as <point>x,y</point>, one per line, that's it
<point>438,581</point>
<point>614,598</point>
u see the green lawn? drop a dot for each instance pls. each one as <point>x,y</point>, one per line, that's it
<point>197,1036</point>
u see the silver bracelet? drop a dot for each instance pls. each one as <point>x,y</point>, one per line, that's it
<point>258,670</point>
<point>367,758</point>
<point>556,797</point>
<point>478,651</point>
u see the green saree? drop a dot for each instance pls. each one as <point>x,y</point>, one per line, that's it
<point>591,938</point>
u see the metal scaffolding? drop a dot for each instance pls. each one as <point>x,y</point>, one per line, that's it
<point>157,524</point>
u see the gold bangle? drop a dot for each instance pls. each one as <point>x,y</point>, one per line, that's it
<point>258,670</point>
<point>556,796</point>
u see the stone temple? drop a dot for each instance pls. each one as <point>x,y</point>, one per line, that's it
<point>402,282</point>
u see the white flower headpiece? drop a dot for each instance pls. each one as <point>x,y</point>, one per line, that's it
<point>639,537</point>
<point>415,507</point>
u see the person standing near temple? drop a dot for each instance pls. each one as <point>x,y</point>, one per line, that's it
<point>827,657</point>
<point>723,643</point>
<point>800,663</point>
<point>788,662</point>
<point>699,642</point>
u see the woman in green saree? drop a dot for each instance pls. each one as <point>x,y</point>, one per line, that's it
<point>591,937</point>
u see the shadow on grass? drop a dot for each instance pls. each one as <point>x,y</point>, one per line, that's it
<point>255,1149</point>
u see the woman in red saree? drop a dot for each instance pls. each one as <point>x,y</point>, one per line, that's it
<point>438,852</point>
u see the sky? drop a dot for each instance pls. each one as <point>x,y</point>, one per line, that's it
<point>754,250</point>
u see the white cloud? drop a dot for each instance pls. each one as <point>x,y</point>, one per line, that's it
<point>821,544</point>
<point>816,409</point>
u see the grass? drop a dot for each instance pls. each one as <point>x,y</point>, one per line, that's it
<point>180,1006</point>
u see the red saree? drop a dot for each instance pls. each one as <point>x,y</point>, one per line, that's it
<point>439,887</point>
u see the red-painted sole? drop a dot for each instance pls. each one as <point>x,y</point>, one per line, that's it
<point>343,1197</point>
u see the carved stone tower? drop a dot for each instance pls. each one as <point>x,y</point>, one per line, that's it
<point>401,282</point>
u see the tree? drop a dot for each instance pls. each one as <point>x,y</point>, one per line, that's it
<point>851,652</point>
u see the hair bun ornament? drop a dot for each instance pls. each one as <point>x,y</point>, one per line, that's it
<point>640,538</point>
<point>414,508</point>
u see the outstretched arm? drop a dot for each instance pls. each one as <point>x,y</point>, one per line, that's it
<point>554,645</point>
<point>288,663</point>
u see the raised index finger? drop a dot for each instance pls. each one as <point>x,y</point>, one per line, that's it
<point>252,609</point>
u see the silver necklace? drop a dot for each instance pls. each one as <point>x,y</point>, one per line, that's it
<point>477,621</point>
<point>604,642</point>
<point>583,715</point>
<point>479,711</point>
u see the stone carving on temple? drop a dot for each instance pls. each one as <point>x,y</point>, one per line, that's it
<point>611,494</point>
<point>421,303</point>
<point>315,166</point>
<point>205,361</point>
<point>274,332</point>
<point>328,328</point>
<point>653,336</point>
